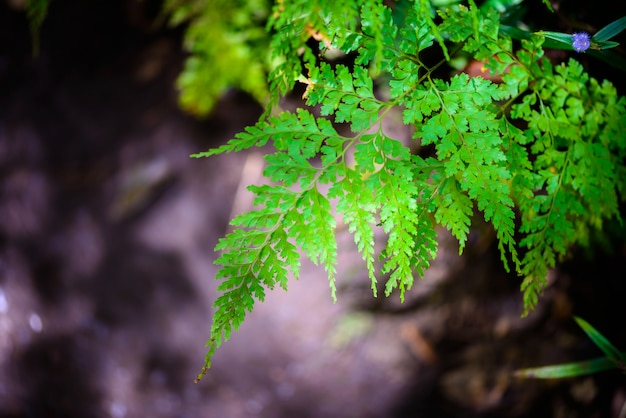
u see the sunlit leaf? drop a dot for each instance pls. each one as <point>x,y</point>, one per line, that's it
<point>536,149</point>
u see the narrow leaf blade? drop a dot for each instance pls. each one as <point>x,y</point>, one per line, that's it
<point>610,30</point>
<point>579,368</point>
<point>600,340</point>
<point>556,40</point>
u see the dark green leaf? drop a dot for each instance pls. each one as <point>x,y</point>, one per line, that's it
<point>611,30</point>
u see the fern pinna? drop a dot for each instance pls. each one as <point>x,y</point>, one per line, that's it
<point>540,153</point>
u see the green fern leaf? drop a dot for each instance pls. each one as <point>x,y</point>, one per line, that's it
<point>544,145</point>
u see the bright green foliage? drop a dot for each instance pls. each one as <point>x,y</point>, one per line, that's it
<point>576,128</point>
<point>539,154</point>
<point>228,46</point>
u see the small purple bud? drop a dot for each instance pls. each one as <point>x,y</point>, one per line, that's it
<point>580,41</point>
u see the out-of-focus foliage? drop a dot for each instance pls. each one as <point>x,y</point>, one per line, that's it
<point>36,11</point>
<point>228,46</point>
<point>614,359</point>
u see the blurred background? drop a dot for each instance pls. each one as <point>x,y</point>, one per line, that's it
<point>107,230</point>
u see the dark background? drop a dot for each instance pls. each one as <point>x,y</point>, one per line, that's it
<point>106,276</point>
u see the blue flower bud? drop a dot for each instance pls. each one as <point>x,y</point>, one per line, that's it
<point>581,41</point>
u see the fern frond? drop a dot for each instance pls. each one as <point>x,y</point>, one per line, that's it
<point>313,227</point>
<point>357,204</point>
<point>575,184</point>
<point>544,147</point>
<point>468,140</point>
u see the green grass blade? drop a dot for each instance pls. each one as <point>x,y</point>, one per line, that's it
<point>606,44</point>
<point>556,40</point>
<point>610,30</point>
<point>600,340</point>
<point>558,371</point>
